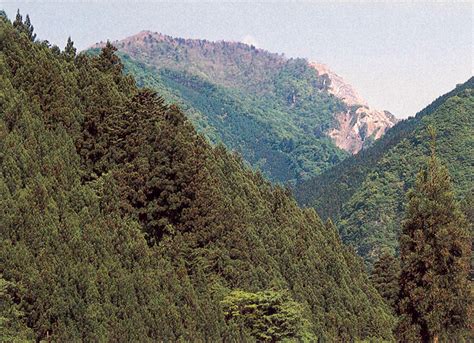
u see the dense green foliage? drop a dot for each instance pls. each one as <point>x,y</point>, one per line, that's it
<point>12,328</point>
<point>384,276</point>
<point>274,111</point>
<point>120,223</point>
<point>435,251</point>
<point>270,316</point>
<point>365,194</point>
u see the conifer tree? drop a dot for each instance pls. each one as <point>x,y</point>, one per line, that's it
<point>385,277</point>
<point>70,50</point>
<point>24,27</point>
<point>11,327</point>
<point>18,22</point>
<point>29,29</point>
<point>434,250</point>
<point>108,60</point>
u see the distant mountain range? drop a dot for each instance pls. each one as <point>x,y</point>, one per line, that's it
<point>365,194</point>
<point>290,118</point>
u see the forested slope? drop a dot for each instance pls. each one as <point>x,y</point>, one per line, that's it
<point>285,141</point>
<point>288,117</point>
<point>366,193</point>
<point>273,111</point>
<point>120,223</point>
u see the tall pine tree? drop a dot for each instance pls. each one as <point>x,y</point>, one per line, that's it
<point>18,22</point>
<point>434,250</point>
<point>24,27</point>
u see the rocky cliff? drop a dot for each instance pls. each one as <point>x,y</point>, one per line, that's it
<point>360,124</point>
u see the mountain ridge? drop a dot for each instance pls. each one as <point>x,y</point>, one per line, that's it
<point>352,129</point>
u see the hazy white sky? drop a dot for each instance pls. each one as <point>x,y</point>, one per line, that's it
<point>399,57</point>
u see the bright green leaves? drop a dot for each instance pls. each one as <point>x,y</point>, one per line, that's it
<point>270,316</point>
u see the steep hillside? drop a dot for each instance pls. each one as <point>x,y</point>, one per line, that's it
<point>119,222</point>
<point>366,193</point>
<point>278,112</point>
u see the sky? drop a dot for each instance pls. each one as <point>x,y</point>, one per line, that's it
<point>398,56</point>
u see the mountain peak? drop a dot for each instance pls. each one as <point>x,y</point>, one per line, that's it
<point>339,87</point>
<point>361,122</point>
<point>138,39</point>
<point>145,39</point>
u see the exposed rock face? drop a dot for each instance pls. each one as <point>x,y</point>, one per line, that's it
<point>359,125</point>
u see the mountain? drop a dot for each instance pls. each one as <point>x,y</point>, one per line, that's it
<point>119,222</point>
<point>359,125</point>
<point>279,113</point>
<point>365,194</point>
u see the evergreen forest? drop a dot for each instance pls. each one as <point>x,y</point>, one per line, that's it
<point>120,222</point>
<point>131,211</point>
